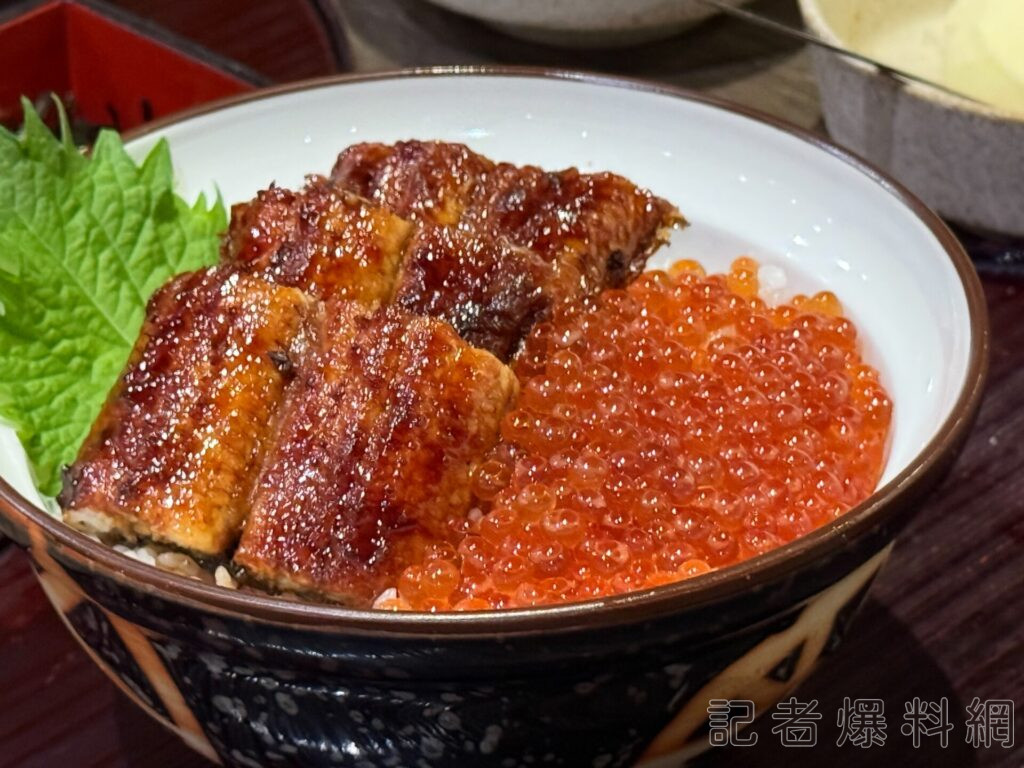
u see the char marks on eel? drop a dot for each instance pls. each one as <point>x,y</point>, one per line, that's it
<point>490,291</point>
<point>324,240</point>
<point>584,232</point>
<point>388,414</point>
<point>177,445</point>
<point>322,398</point>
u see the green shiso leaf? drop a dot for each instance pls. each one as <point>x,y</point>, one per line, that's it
<point>84,241</point>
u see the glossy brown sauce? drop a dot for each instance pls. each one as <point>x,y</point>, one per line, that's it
<point>591,231</point>
<point>388,414</point>
<point>328,242</point>
<point>490,291</point>
<point>175,450</point>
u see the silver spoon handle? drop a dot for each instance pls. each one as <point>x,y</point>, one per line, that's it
<point>807,37</point>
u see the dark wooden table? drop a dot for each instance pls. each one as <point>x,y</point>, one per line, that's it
<point>946,618</point>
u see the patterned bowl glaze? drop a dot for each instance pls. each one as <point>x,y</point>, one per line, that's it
<point>252,680</point>
<point>585,23</point>
<point>962,158</point>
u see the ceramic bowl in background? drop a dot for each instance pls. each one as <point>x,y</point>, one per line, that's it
<point>585,23</point>
<point>963,158</point>
<point>250,679</point>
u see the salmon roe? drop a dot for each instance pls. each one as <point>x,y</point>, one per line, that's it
<point>663,431</point>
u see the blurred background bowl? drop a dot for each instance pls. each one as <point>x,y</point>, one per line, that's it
<point>963,158</point>
<point>585,23</point>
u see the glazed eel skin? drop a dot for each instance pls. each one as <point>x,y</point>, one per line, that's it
<point>442,231</point>
<point>516,240</point>
<point>323,395</point>
<point>326,241</point>
<point>175,450</point>
<point>387,416</point>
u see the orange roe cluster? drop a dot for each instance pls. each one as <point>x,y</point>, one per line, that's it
<point>663,431</point>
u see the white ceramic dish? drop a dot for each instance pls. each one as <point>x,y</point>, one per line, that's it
<point>746,186</point>
<point>962,158</point>
<point>585,23</point>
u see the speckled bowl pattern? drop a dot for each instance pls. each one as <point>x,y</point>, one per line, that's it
<point>962,158</point>
<point>253,680</point>
<point>585,23</point>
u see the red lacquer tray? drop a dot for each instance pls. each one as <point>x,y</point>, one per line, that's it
<point>110,66</point>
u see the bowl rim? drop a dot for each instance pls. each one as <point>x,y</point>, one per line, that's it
<point>814,17</point>
<point>629,607</point>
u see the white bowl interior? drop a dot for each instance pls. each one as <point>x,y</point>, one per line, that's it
<point>747,188</point>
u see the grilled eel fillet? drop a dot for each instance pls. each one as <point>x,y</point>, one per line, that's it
<point>174,452</point>
<point>496,245</point>
<point>322,239</point>
<point>378,433</point>
<point>595,230</point>
<point>490,291</point>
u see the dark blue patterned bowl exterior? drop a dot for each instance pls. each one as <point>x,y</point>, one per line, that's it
<point>249,692</point>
